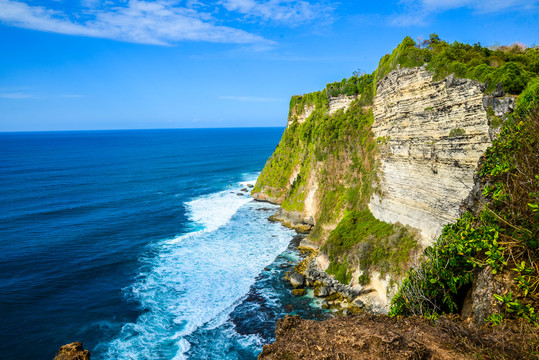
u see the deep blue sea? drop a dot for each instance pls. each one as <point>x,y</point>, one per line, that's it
<point>140,244</point>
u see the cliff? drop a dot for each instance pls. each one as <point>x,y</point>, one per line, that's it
<point>429,136</point>
<point>377,166</point>
<point>434,134</point>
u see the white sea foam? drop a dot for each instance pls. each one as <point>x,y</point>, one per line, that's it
<point>215,210</point>
<point>198,279</point>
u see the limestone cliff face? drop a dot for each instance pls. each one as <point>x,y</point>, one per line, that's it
<point>433,134</point>
<point>300,117</point>
<point>340,102</point>
<point>430,137</point>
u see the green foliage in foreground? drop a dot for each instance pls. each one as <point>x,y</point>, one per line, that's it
<point>362,239</point>
<point>504,236</point>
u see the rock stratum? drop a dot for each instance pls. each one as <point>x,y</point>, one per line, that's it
<point>434,133</point>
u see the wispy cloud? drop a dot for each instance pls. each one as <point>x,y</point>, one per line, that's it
<point>159,22</point>
<point>250,98</point>
<point>417,12</point>
<point>284,11</point>
<point>17,95</point>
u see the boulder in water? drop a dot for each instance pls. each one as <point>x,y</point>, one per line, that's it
<point>73,351</point>
<point>297,280</point>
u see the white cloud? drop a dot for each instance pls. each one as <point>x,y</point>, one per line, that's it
<point>159,22</point>
<point>284,11</point>
<point>250,98</point>
<point>417,12</point>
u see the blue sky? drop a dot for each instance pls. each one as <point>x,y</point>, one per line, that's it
<point>133,64</point>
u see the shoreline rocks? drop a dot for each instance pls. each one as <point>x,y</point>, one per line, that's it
<point>293,220</point>
<point>336,296</point>
<point>73,351</point>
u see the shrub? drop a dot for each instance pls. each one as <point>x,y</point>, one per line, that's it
<point>456,132</point>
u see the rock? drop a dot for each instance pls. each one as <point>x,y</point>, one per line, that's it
<point>250,185</point>
<point>418,141</point>
<point>325,305</point>
<point>323,291</point>
<point>288,308</point>
<point>244,190</point>
<point>297,280</point>
<point>503,106</point>
<point>499,92</point>
<point>239,194</point>
<point>307,111</point>
<point>357,302</point>
<point>73,351</point>
<point>292,219</point>
<point>340,102</point>
<point>299,292</point>
<point>480,301</point>
<point>306,244</point>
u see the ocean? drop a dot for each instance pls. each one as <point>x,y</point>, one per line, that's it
<point>141,244</point>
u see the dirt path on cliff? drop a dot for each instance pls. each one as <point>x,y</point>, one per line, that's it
<point>377,337</point>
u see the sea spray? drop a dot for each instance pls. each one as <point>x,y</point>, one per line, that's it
<point>199,278</point>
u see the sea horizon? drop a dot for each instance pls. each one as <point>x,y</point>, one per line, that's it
<point>144,129</point>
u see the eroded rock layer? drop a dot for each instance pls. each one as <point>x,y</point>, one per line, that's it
<point>432,135</point>
<point>340,102</point>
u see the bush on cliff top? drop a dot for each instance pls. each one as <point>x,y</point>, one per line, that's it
<point>512,66</point>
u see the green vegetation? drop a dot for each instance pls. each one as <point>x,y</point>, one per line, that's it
<point>298,102</point>
<point>511,66</point>
<point>356,85</point>
<point>457,132</point>
<point>364,279</point>
<point>504,236</point>
<point>407,54</point>
<point>339,153</point>
<point>361,239</point>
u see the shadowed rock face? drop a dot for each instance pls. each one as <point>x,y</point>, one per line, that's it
<point>374,337</point>
<point>73,351</point>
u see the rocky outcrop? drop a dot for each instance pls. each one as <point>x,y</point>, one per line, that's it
<point>301,117</point>
<point>264,196</point>
<point>73,351</point>
<point>340,102</point>
<point>380,337</point>
<point>293,220</point>
<point>480,302</point>
<point>432,134</point>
